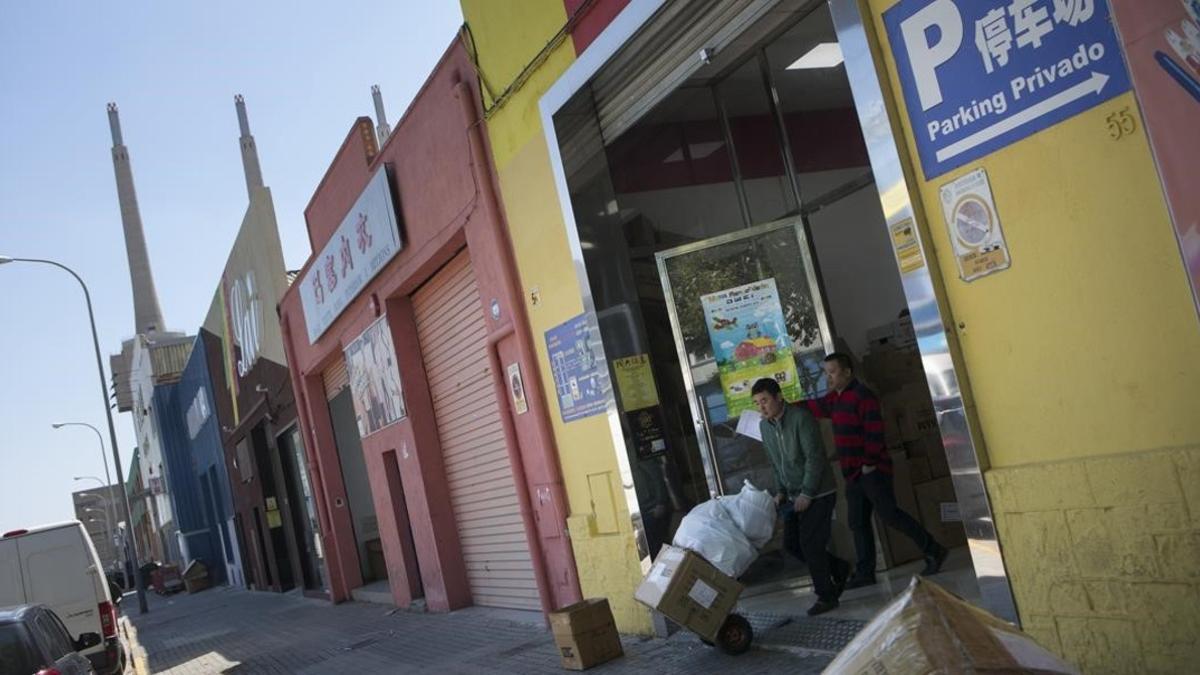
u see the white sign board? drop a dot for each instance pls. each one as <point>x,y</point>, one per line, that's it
<point>975,233</point>
<point>367,239</point>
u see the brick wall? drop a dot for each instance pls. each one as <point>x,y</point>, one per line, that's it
<point>1104,557</point>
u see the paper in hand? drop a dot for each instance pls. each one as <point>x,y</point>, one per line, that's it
<point>748,424</point>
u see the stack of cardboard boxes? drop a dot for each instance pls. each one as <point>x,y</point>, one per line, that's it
<point>893,369</point>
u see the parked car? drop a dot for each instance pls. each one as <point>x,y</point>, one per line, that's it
<point>34,641</point>
<point>57,566</point>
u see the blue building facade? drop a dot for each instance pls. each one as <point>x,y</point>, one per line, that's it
<point>199,482</point>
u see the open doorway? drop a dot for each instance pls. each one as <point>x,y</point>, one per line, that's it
<point>359,498</point>
<point>753,171</point>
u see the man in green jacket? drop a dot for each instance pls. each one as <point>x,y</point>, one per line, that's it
<point>807,492</point>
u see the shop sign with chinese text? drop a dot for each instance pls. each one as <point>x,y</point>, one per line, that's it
<point>362,245</point>
<point>979,75</point>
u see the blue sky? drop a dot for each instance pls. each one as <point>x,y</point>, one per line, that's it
<point>173,68</point>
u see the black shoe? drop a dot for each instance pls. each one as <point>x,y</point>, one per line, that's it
<point>934,559</point>
<point>860,582</point>
<point>822,606</point>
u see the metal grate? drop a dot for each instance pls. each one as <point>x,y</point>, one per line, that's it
<point>816,634</point>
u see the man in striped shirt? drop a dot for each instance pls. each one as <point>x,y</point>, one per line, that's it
<point>867,469</point>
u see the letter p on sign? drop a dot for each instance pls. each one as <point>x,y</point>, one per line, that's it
<point>924,54</point>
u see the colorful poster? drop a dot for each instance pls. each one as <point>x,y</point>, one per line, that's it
<point>1162,46</point>
<point>750,341</point>
<point>375,379</point>
<point>970,212</point>
<point>580,374</point>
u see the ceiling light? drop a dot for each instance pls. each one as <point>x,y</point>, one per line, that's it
<point>824,55</point>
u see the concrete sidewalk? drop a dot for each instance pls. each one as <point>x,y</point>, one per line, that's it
<point>226,630</point>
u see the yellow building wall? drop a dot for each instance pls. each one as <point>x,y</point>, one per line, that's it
<point>507,37</point>
<point>1084,365</point>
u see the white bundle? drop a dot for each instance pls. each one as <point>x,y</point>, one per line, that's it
<point>709,531</point>
<point>753,511</point>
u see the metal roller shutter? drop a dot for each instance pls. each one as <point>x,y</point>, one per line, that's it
<point>336,378</point>
<point>664,53</point>
<point>453,337</point>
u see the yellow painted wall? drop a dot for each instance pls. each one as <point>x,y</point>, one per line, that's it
<point>1084,364</point>
<point>507,36</point>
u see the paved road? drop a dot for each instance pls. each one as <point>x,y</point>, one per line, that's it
<point>226,630</point>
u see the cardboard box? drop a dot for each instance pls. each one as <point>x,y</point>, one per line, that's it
<point>890,369</point>
<point>939,512</point>
<point>586,634</point>
<point>918,469</point>
<point>929,448</point>
<point>899,549</point>
<point>898,334</point>
<point>689,591</point>
<point>928,630</point>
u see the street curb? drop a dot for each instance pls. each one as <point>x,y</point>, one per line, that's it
<point>136,654</point>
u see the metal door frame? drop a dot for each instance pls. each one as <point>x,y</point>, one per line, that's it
<point>959,427</point>
<point>712,470</point>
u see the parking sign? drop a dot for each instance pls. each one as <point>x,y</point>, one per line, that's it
<point>978,75</point>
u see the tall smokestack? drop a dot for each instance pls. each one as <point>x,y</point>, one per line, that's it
<point>253,171</point>
<point>146,310</point>
<point>383,130</point>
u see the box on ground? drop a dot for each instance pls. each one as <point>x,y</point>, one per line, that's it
<point>686,589</point>
<point>586,634</point>
<point>195,577</point>
<point>939,512</point>
<point>928,630</point>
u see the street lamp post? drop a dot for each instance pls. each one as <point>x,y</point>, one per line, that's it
<point>131,553</point>
<point>107,477</point>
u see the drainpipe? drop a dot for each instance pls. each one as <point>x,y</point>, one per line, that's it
<point>518,327</point>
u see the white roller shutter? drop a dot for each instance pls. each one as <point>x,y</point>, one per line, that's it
<point>664,53</point>
<point>453,337</point>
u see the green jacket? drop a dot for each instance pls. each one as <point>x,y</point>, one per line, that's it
<point>797,453</point>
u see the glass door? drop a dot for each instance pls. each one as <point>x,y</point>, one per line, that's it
<point>744,306</point>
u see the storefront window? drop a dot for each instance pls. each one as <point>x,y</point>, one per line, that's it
<point>757,147</point>
<point>815,101</point>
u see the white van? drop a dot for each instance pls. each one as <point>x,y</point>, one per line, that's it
<point>57,566</point>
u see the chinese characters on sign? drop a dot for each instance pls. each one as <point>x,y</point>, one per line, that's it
<point>368,237</point>
<point>979,75</point>
<point>750,341</point>
<point>580,375</point>
<point>979,246</point>
<point>375,379</point>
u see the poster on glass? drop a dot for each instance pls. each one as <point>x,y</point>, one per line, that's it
<point>375,379</point>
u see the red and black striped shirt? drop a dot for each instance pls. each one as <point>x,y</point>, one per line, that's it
<point>857,428</point>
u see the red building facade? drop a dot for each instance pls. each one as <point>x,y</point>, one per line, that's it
<point>458,499</point>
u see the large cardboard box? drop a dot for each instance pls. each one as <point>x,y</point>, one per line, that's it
<point>939,512</point>
<point>689,591</point>
<point>586,634</point>
<point>890,369</point>
<point>928,630</point>
<point>930,449</point>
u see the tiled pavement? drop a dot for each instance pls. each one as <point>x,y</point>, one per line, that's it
<point>226,630</point>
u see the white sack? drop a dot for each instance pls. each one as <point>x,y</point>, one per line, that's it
<point>709,531</point>
<point>753,511</point>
